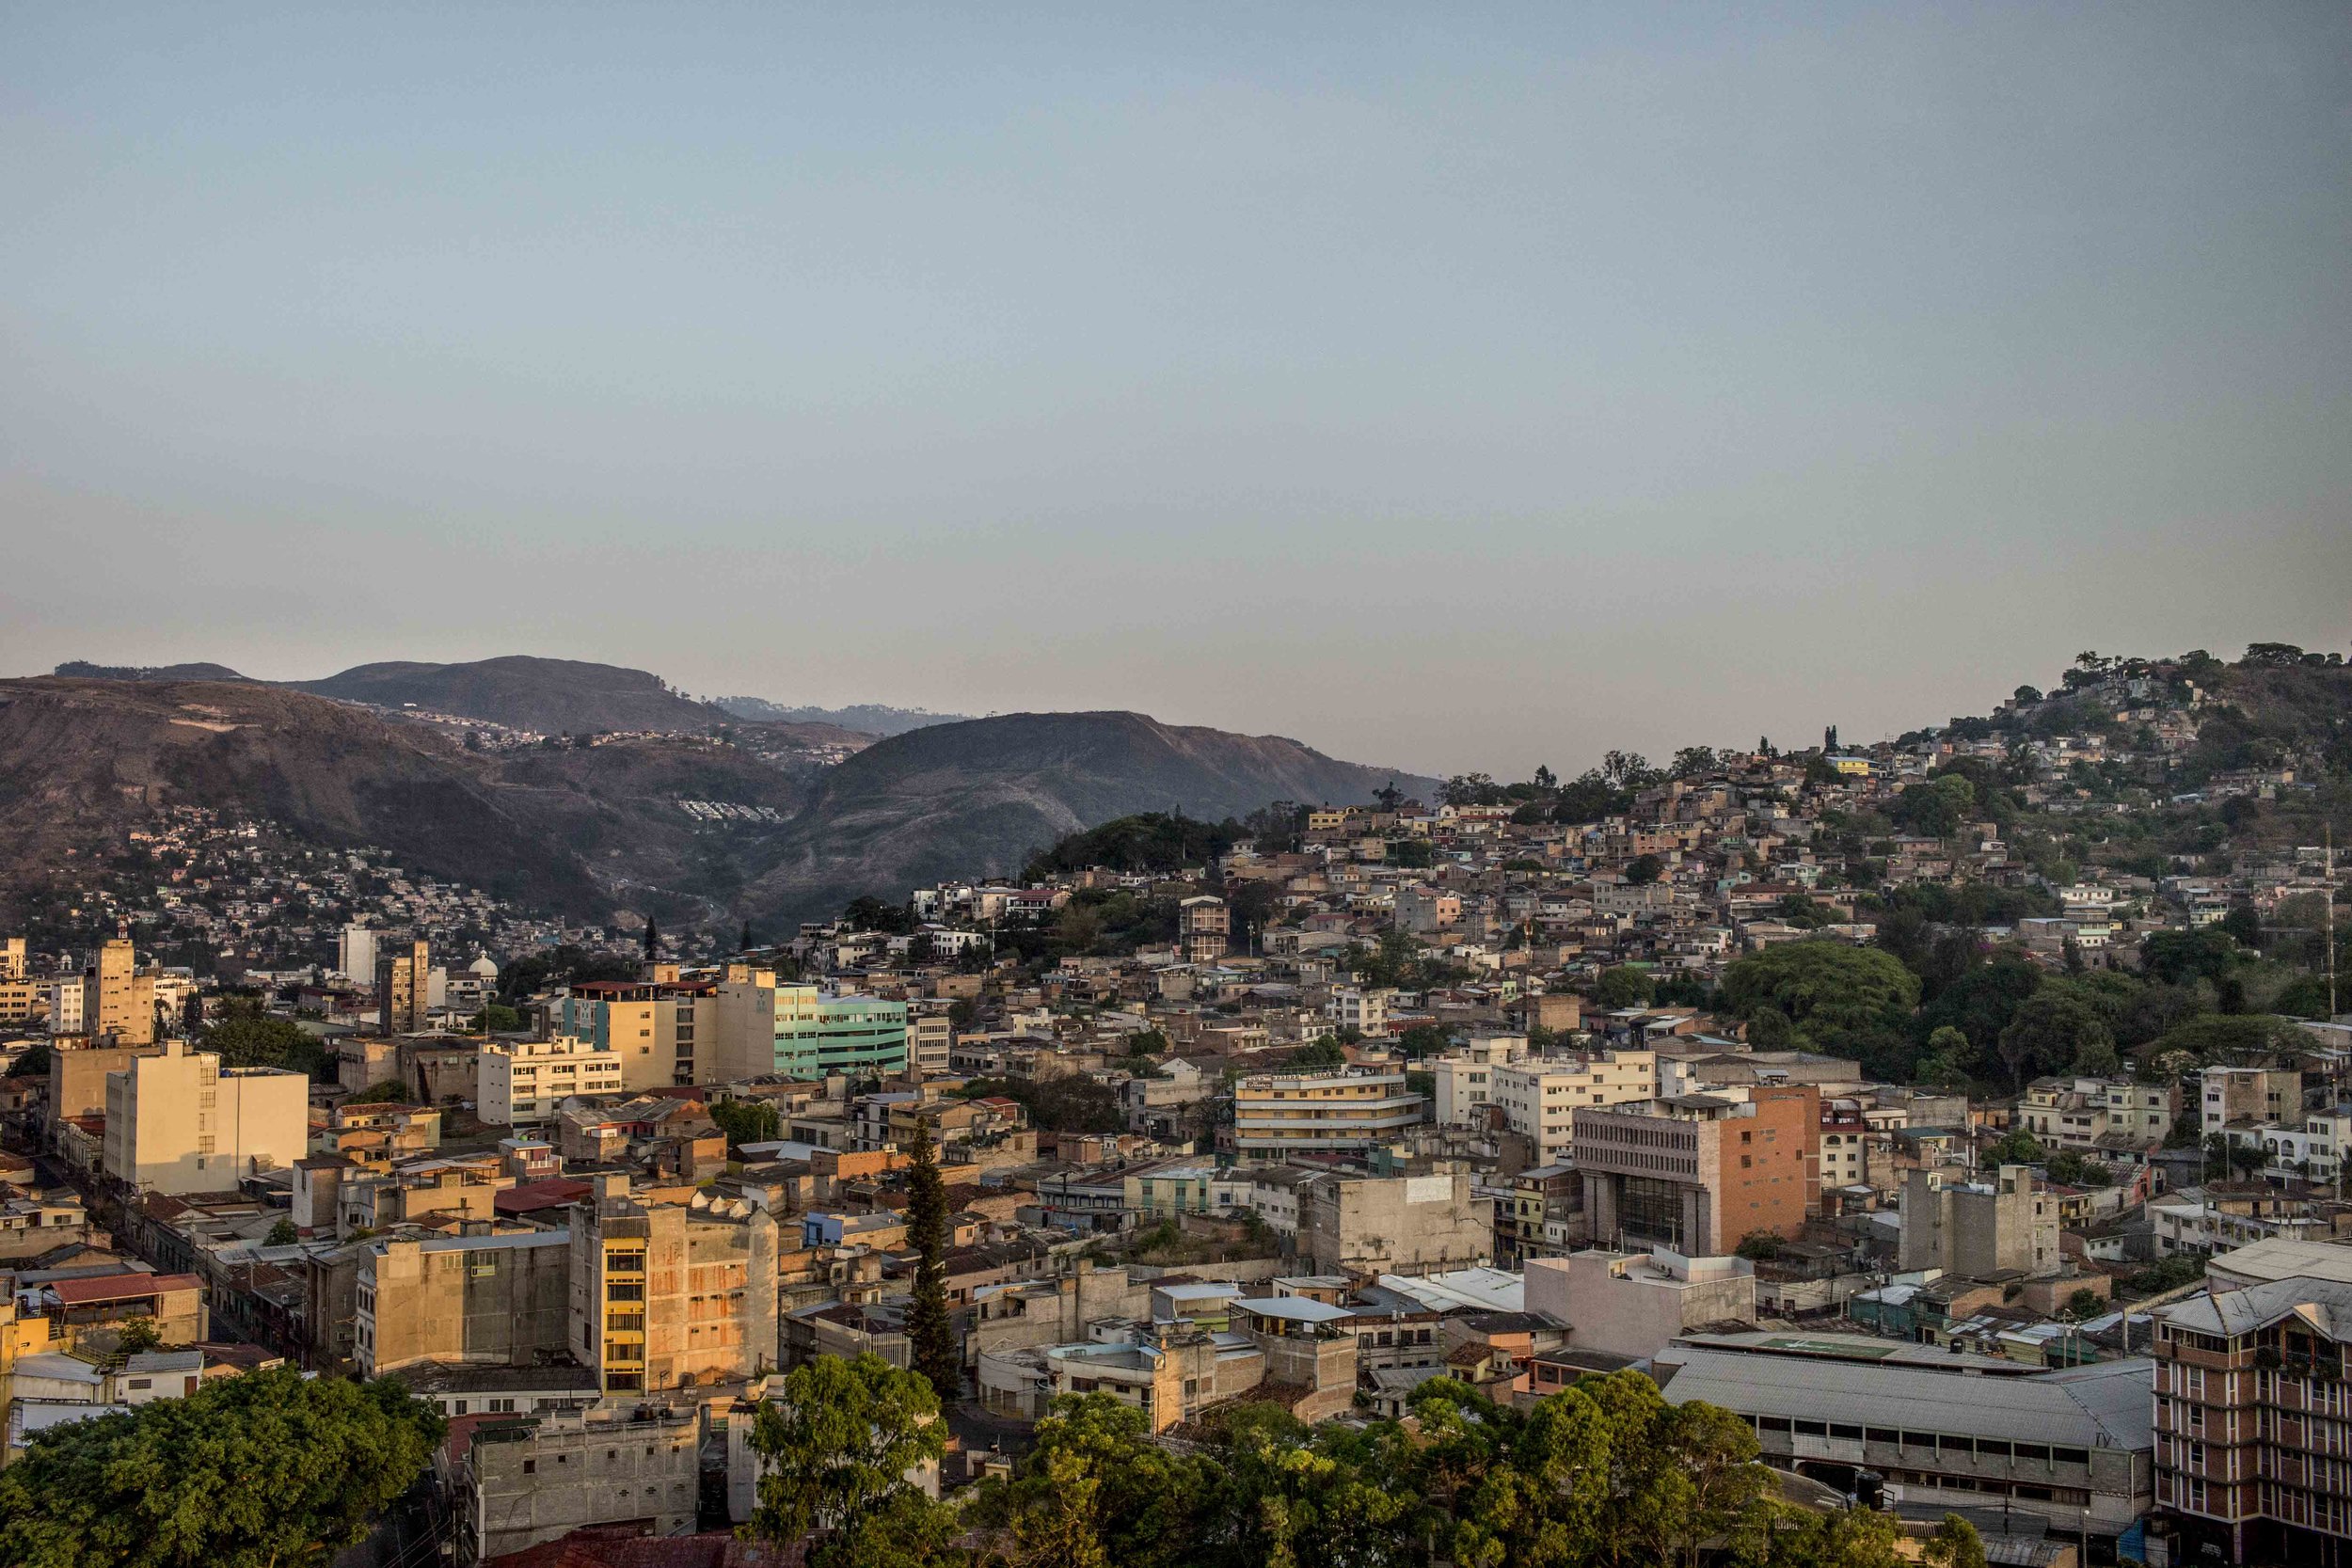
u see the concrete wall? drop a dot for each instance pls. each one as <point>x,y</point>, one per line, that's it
<point>1632,1304</point>
<point>570,1471</point>
<point>502,1305</point>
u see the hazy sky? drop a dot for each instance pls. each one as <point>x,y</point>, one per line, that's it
<point>1446,385</point>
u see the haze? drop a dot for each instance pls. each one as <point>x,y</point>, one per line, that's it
<point>1448,388</point>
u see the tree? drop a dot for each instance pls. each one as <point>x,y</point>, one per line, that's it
<point>746,1121</point>
<point>284,1233</point>
<point>2017,1148</point>
<point>1955,1543</point>
<point>929,1331</point>
<point>1644,869</point>
<point>744,944</point>
<point>137,1336</point>
<point>1095,1492</point>
<point>1325,1051</point>
<point>1623,986</point>
<point>653,940</point>
<point>1946,1064</point>
<point>271,1469</point>
<point>32,1062</point>
<point>834,1455</point>
<point>1852,1001</point>
<point>2052,1029</point>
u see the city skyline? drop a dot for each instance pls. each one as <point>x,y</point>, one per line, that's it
<point>1474,394</point>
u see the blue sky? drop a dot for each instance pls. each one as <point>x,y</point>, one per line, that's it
<point>1447,386</point>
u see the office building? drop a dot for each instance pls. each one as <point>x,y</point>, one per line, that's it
<point>354,952</point>
<point>403,986</point>
<point>1698,1173</point>
<point>763,1029</point>
<point>177,1121</point>
<point>118,1000</point>
<point>1338,1111</point>
<point>523,1082</point>
<point>654,1028</point>
<point>1539,1097</point>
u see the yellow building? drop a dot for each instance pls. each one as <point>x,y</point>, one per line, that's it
<point>1341,1110</point>
<point>179,1122</point>
<point>118,1000</point>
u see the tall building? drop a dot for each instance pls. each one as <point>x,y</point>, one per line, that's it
<point>1338,1111</point>
<point>654,1028</point>
<point>763,1029</point>
<point>1539,1097</point>
<point>178,1122</point>
<point>354,952</point>
<point>1972,1228</point>
<point>12,958</point>
<point>521,1083</point>
<point>668,1296</point>
<point>403,986</point>
<point>118,1000</point>
<point>1701,1172</point>
<point>1205,928</point>
<point>2252,1430</point>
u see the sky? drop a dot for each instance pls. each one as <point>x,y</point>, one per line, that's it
<point>1450,387</point>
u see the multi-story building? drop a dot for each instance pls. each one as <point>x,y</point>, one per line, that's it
<point>2098,1112</point>
<point>931,1039</point>
<point>13,960</point>
<point>2253,1424</point>
<point>68,1002</point>
<point>2247,1094</point>
<point>118,1000</point>
<point>1698,1173</point>
<point>523,1481</point>
<point>484,1300</point>
<point>403,986</point>
<point>763,1029</point>
<point>1339,1110</point>
<point>1539,1097</point>
<point>666,1295</point>
<point>1465,1077</point>
<point>1637,1304</point>
<point>177,1121</point>
<point>354,952</point>
<point>1963,1225</point>
<point>1404,1225</point>
<point>1205,928</point>
<point>521,1083</point>
<point>1365,1011</point>
<point>653,1027</point>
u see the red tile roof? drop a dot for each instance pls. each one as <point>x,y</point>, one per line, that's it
<point>120,1286</point>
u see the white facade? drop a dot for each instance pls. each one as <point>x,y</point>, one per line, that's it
<point>527,1081</point>
<point>179,1122</point>
<point>66,999</point>
<point>354,952</point>
<point>1539,1098</point>
<point>1364,1011</point>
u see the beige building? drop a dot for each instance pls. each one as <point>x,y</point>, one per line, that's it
<point>1341,1110</point>
<point>117,999</point>
<point>1408,1225</point>
<point>1637,1304</point>
<point>521,1083</point>
<point>658,1029</point>
<point>78,1073</point>
<point>1205,926</point>
<point>12,958</point>
<point>667,1296</point>
<point>1539,1097</point>
<point>403,986</point>
<point>1976,1227</point>
<point>499,1301</point>
<point>178,1122</point>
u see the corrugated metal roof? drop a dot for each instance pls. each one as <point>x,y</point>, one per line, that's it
<point>2106,1406</point>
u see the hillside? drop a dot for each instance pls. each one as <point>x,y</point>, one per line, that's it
<point>863,718</point>
<point>554,696</point>
<point>84,670</point>
<point>977,797</point>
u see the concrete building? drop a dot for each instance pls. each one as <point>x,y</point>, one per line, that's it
<point>1339,1110</point>
<point>1698,1173</point>
<point>931,1039</point>
<point>1637,1304</point>
<point>2092,1114</point>
<point>354,952</point>
<point>2251,1395</point>
<point>1974,1228</point>
<point>1365,1011</point>
<point>523,1082</point>
<point>652,1028</point>
<point>177,1121</point>
<point>2073,1446</point>
<point>797,1031</point>
<point>78,1073</point>
<point>668,1296</point>
<point>1204,927</point>
<point>403,986</point>
<point>1539,1097</point>
<point>2247,1094</point>
<point>524,1480</point>
<point>1406,1224</point>
<point>117,1000</point>
<point>502,1301</point>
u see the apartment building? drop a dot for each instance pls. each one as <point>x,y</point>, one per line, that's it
<point>1972,1228</point>
<point>1364,1011</point>
<point>177,1121</point>
<point>1465,1077</point>
<point>491,1300</point>
<point>523,1082</point>
<point>117,999</point>
<point>2090,1113</point>
<point>403,986</point>
<point>354,952</point>
<point>653,1027</point>
<point>1697,1173</point>
<point>764,1029</point>
<point>1340,1110</point>
<point>2247,1094</point>
<point>931,1039</point>
<point>1204,928</point>
<point>668,1296</point>
<point>1539,1097</point>
<point>2253,1424</point>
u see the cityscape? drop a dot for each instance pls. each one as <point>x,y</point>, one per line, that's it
<point>1281,787</point>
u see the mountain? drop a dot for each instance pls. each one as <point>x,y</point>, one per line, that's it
<point>977,797</point>
<point>554,696</point>
<point>87,671</point>
<point>865,718</point>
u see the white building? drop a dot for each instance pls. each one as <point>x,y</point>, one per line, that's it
<point>354,952</point>
<point>525,1082</point>
<point>179,1122</point>
<point>1364,1011</point>
<point>1539,1098</point>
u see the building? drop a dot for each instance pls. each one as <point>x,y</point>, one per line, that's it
<point>1364,1011</point>
<point>78,1074</point>
<point>497,1301</point>
<point>521,1083</point>
<point>1699,1173</point>
<point>2247,1094</point>
<point>1406,1224</point>
<point>653,1028</point>
<point>1635,1305</point>
<point>797,1031</point>
<point>2252,1398</point>
<point>1539,1097</point>
<point>177,1121</point>
<point>520,1481</point>
<point>1975,1229</point>
<point>668,1296</point>
<point>930,1040</point>
<point>354,952</point>
<point>1204,927</point>
<point>403,986</point>
<point>1340,1110</point>
<point>2092,1114</point>
<point>2073,1445</point>
<point>117,1000</point>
